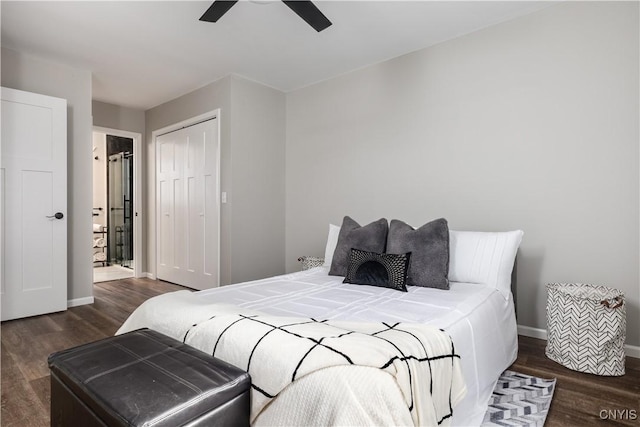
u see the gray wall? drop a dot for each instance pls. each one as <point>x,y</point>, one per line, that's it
<point>258,191</point>
<point>117,117</point>
<point>213,96</point>
<point>530,124</point>
<point>252,148</point>
<point>23,72</point>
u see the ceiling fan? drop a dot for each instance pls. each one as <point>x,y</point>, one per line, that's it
<point>305,9</point>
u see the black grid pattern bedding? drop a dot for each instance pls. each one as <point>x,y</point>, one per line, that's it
<point>278,350</point>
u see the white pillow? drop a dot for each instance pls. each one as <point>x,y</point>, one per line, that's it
<point>332,242</point>
<point>483,257</point>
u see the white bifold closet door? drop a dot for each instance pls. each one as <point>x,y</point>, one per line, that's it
<point>187,205</point>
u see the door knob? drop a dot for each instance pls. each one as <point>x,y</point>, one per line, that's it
<point>58,215</point>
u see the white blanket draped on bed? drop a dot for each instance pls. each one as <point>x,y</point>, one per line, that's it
<point>281,351</point>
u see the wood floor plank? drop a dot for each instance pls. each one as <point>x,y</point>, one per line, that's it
<point>26,344</point>
<point>20,405</point>
<point>42,388</point>
<point>26,349</point>
<point>98,320</point>
<point>579,398</point>
<point>576,409</point>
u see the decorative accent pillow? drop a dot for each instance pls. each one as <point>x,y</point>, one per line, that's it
<point>429,247</point>
<point>383,270</point>
<point>371,237</point>
<point>309,262</point>
<point>484,257</point>
<point>332,242</point>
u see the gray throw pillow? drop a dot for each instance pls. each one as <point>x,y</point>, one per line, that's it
<point>371,238</point>
<point>429,247</point>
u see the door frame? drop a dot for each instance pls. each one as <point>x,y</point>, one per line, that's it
<point>153,229</point>
<point>137,192</point>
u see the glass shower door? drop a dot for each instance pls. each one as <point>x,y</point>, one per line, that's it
<point>120,227</point>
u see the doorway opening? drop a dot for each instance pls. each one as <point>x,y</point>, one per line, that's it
<point>115,201</point>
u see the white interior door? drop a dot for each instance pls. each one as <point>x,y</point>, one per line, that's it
<point>187,205</point>
<point>33,175</point>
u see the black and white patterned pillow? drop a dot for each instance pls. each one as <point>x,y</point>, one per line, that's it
<point>383,270</point>
<point>309,262</point>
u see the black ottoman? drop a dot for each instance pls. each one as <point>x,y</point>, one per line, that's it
<point>144,378</point>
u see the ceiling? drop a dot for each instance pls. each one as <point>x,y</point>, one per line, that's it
<point>145,53</point>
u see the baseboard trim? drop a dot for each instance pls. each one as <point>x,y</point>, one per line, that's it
<point>632,350</point>
<point>79,301</point>
<point>527,331</point>
<point>149,275</point>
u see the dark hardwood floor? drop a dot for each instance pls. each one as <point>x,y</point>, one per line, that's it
<point>578,401</point>
<point>26,343</point>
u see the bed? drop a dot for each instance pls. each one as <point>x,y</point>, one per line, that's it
<point>477,312</point>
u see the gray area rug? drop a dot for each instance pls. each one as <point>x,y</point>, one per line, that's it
<point>519,400</point>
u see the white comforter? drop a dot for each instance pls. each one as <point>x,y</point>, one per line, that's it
<point>327,372</point>
<point>479,319</point>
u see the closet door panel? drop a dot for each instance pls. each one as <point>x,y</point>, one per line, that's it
<point>166,172</point>
<point>165,254</point>
<point>194,209</point>
<point>196,203</point>
<point>211,200</point>
<point>210,227</point>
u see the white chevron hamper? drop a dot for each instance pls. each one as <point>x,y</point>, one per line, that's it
<point>586,328</point>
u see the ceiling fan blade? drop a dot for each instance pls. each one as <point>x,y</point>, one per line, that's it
<point>217,9</point>
<point>310,13</point>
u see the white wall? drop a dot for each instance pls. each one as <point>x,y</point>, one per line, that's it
<point>117,117</point>
<point>23,72</point>
<point>99,178</point>
<point>531,124</point>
